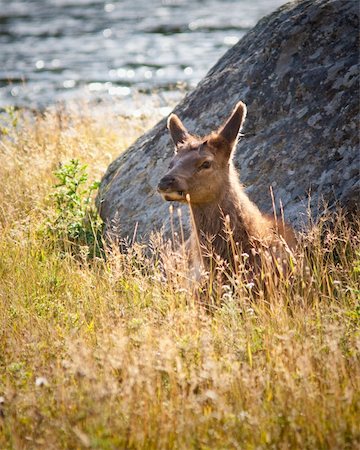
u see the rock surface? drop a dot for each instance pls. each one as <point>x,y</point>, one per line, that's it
<point>298,72</point>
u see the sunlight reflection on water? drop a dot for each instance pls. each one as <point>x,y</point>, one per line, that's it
<point>69,49</point>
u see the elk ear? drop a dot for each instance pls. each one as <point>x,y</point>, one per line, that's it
<point>177,130</point>
<point>231,128</point>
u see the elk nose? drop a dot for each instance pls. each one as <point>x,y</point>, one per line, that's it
<point>166,182</point>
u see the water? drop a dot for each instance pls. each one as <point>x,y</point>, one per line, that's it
<point>61,50</point>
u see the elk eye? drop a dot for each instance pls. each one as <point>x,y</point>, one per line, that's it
<point>205,165</point>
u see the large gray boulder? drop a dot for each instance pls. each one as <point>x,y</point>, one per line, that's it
<point>297,71</point>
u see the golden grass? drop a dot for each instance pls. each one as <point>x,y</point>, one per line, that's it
<point>116,354</point>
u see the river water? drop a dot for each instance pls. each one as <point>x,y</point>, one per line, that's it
<point>134,50</point>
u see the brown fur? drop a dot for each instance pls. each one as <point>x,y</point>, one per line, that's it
<point>203,172</point>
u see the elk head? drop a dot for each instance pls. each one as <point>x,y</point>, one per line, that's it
<point>200,166</point>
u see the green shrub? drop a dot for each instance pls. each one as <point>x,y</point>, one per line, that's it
<point>76,224</point>
<point>9,119</point>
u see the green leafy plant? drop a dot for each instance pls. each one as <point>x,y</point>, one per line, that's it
<point>76,223</point>
<point>8,120</point>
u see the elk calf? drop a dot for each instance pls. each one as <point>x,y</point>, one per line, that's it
<point>202,172</point>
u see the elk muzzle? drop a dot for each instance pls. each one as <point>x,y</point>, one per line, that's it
<point>170,189</point>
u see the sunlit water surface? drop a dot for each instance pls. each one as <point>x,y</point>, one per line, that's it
<point>139,51</point>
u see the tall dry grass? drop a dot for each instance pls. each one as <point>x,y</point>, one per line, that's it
<point>118,353</point>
